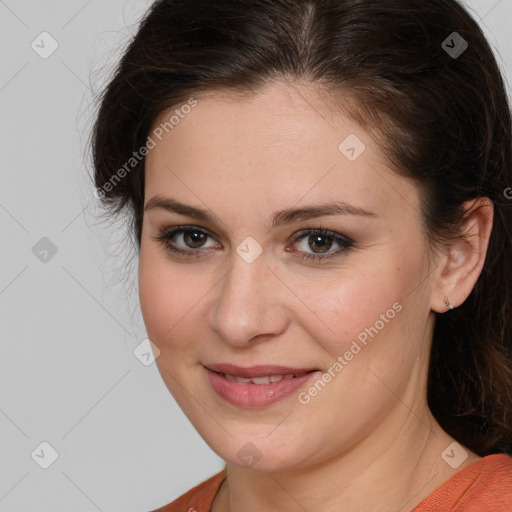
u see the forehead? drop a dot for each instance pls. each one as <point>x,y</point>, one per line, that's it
<point>283,142</point>
<point>270,118</point>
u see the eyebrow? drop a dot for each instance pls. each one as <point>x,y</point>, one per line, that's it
<point>280,218</point>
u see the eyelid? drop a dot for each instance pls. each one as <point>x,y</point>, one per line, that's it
<point>321,231</point>
<point>343,241</point>
<point>167,233</point>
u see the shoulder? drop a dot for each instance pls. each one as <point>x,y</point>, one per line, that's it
<point>197,499</point>
<point>483,485</point>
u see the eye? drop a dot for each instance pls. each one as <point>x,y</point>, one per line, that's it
<point>322,240</point>
<point>194,239</point>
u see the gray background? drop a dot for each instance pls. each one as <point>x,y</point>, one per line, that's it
<point>70,321</point>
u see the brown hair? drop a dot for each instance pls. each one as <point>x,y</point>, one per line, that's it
<point>442,119</point>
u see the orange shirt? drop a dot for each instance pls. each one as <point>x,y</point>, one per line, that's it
<point>484,486</point>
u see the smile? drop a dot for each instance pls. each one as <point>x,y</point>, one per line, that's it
<point>259,391</point>
<point>266,379</point>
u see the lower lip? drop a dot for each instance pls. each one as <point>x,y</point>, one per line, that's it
<point>252,395</point>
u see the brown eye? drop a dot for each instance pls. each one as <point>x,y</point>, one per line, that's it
<point>190,241</point>
<point>194,239</point>
<point>320,241</point>
<point>186,241</point>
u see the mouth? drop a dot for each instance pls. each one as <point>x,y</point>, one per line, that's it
<point>255,372</point>
<point>257,386</point>
<point>264,379</point>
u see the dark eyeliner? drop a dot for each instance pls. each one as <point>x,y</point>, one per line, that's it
<point>345,243</point>
<point>167,234</point>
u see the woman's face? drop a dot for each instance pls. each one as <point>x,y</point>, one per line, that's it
<point>244,294</point>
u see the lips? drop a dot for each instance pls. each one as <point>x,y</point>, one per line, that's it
<point>258,371</point>
<point>256,395</point>
<point>256,386</point>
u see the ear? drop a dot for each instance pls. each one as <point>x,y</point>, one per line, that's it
<point>461,262</point>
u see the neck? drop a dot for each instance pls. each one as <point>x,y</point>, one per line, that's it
<point>388,471</point>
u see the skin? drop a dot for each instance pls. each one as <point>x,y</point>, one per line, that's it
<point>367,441</point>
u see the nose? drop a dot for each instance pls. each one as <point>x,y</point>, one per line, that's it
<point>249,305</point>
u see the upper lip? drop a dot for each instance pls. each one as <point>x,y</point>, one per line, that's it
<point>256,371</point>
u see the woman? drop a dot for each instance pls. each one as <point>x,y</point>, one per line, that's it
<point>317,189</point>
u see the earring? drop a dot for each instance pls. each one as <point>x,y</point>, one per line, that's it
<point>447,302</point>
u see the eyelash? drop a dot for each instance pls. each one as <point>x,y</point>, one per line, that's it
<point>345,243</point>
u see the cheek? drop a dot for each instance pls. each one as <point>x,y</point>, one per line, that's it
<point>346,303</point>
<point>166,298</point>
<point>368,315</point>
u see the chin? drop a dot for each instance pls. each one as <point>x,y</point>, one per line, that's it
<point>259,455</point>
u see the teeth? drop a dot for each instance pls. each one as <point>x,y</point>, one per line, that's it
<point>261,380</point>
